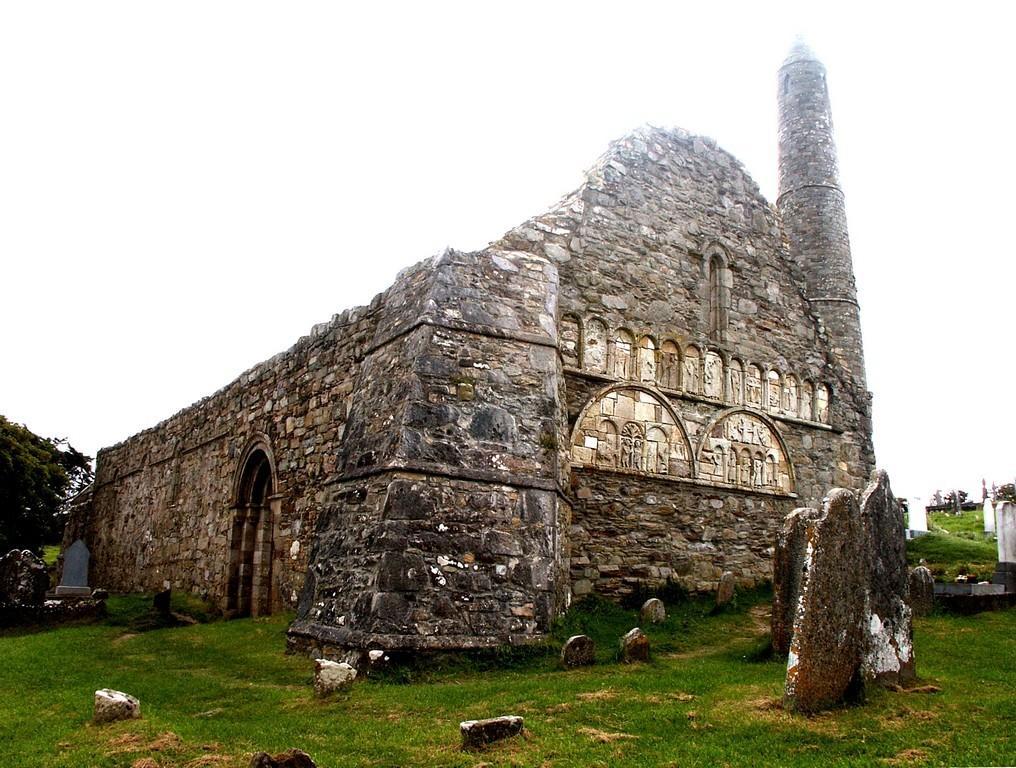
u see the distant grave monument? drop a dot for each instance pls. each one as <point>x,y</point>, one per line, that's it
<point>1005,521</point>
<point>989,516</point>
<point>917,517</point>
<point>74,581</point>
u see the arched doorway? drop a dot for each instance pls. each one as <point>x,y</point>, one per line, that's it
<point>249,591</point>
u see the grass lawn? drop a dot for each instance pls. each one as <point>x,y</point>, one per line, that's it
<point>214,693</point>
<point>956,545</point>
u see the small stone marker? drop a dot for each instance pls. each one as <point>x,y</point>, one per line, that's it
<point>113,705</point>
<point>889,656</point>
<point>291,758</point>
<point>23,578</point>
<point>578,651</point>
<point>725,592</point>
<point>788,568</point>
<point>653,612</point>
<point>634,646</point>
<point>331,676</point>
<point>480,733</point>
<point>74,580</point>
<point>989,516</point>
<point>922,591</point>
<point>162,601</point>
<point>823,666</point>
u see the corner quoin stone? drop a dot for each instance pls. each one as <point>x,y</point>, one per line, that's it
<point>480,733</point>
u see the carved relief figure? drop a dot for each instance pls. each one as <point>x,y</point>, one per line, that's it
<point>647,359</point>
<point>735,392</point>
<point>714,376</point>
<point>690,380</point>
<point>632,439</point>
<point>822,404</point>
<point>668,371</point>
<point>756,455</point>
<point>595,353</point>
<point>773,390</point>
<point>633,430</point>
<point>570,335</point>
<point>753,387</point>
<point>623,343</point>
<point>790,395</point>
<point>806,401</point>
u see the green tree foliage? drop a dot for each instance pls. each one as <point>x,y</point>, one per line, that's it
<point>37,477</point>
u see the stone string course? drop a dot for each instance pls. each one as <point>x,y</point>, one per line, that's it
<point>431,482</point>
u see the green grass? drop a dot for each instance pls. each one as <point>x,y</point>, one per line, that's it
<point>956,545</point>
<point>225,689</point>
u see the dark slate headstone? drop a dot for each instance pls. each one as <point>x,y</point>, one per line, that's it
<point>480,733</point>
<point>788,568</point>
<point>74,580</point>
<point>578,651</point>
<point>634,646</point>
<point>162,601</point>
<point>889,657</point>
<point>23,578</point>
<point>922,591</point>
<point>824,663</point>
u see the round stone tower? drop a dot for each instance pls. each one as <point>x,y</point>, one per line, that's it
<point>811,204</point>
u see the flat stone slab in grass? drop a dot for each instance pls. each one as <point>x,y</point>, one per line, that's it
<point>291,758</point>
<point>653,612</point>
<point>922,591</point>
<point>331,676</point>
<point>480,733</point>
<point>634,646</point>
<point>725,592</point>
<point>113,705</point>
<point>829,643</point>
<point>578,651</point>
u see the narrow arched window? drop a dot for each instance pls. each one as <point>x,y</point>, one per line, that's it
<point>717,297</point>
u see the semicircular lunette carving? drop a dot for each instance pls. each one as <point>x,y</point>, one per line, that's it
<point>742,450</point>
<point>628,429</point>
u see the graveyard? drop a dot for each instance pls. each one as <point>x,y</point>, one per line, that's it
<point>215,692</point>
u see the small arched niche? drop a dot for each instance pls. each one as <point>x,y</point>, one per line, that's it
<point>256,505</point>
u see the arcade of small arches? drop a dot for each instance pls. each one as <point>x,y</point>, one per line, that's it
<point>589,346</point>
<point>631,429</point>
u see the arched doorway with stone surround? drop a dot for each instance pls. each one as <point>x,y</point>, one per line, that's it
<point>255,511</point>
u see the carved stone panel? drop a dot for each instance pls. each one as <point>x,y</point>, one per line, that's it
<point>822,404</point>
<point>753,387</point>
<point>647,360</point>
<point>713,376</point>
<point>773,389</point>
<point>735,391</point>
<point>623,343</point>
<point>807,401</point>
<point>631,430</point>
<point>595,352</point>
<point>570,335</point>
<point>691,373</point>
<point>790,395</point>
<point>743,450</point>
<point>669,371</point>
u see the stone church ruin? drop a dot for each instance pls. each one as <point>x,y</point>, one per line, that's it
<point>634,387</point>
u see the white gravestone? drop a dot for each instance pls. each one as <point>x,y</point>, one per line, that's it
<point>917,515</point>
<point>1005,527</point>
<point>989,516</point>
<point>74,580</point>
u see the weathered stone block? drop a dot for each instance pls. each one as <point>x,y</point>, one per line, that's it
<point>578,651</point>
<point>653,611</point>
<point>725,590</point>
<point>922,591</point>
<point>113,705</point>
<point>828,645</point>
<point>331,676</point>
<point>291,758</point>
<point>23,578</point>
<point>480,733</point>
<point>634,646</point>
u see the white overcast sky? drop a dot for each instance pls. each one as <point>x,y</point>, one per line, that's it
<point>186,188</point>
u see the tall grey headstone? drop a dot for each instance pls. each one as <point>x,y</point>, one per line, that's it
<point>989,516</point>
<point>1005,528</point>
<point>74,580</point>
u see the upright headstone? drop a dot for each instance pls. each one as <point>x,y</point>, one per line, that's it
<point>917,514</point>
<point>1005,529</point>
<point>827,649</point>
<point>23,578</point>
<point>653,611</point>
<point>725,590</point>
<point>889,656</point>
<point>74,581</point>
<point>989,516</point>
<point>922,591</point>
<point>788,568</point>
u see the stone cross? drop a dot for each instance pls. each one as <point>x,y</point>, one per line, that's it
<point>74,580</point>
